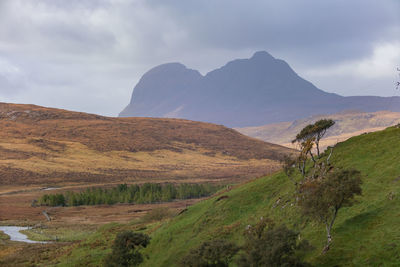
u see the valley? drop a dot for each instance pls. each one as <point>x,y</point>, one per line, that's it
<point>363,235</point>
<point>52,151</point>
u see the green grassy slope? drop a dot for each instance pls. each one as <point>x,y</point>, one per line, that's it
<point>367,233</point>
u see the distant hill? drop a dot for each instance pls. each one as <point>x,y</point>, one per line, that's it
<point>51,146</point>
<point>348,124</point>
<point>245,92</point>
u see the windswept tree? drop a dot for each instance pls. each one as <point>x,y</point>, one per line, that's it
<point>307,137</point>
<point>306,140</point>
<point>319,130</point>
<point>322,198</point>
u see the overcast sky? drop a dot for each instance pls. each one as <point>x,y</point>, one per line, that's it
<point>88,55</point>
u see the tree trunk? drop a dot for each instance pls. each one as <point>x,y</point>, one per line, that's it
<point>317,144</point>
<point>329,157</point>
<point>328,230</point>
<point>329,238</point>
<point>312,157</point>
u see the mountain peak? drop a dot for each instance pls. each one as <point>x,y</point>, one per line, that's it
<point>262,55</point>
<point>244,92</point>
<point>167,67</point>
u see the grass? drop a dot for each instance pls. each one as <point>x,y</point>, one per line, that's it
<point>92,251</point>
<point>3,236</point>
<point>59,233</point>
<point>364,234</point>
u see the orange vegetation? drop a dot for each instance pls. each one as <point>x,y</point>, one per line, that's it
<point>45,146</point>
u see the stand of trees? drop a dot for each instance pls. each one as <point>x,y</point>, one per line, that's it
<point>322,189</point>
<point>146,193</point>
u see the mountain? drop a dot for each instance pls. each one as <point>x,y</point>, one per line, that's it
<point>52,146</point>
<point>244,92</point>
<point>348,124</point>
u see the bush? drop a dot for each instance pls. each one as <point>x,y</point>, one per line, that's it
<point>267,245</point>
<point>216,253</point>
<point>125,250</point>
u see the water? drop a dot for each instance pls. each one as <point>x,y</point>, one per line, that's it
<point>15,235</point>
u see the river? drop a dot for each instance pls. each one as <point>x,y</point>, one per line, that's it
<point>15,235</point>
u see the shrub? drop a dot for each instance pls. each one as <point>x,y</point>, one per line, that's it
<point>268,245</point>
<point>321,199</point>
<point>125,250</point>
<point>211,253</point>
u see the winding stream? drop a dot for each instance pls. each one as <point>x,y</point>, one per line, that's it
<point>15,235</point>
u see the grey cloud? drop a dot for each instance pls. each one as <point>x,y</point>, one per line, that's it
<point>316,31</point>
<point>88,55</point>
<point>10,87</point>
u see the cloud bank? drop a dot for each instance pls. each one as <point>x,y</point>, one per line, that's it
<point>88,55</point>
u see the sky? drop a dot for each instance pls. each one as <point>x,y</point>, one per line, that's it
<point>88,55</point>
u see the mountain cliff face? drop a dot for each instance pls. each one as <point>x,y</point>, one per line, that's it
<point>162,91</point>
<point>244,92</point>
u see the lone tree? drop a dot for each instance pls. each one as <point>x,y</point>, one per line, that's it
<point>216,253</point>
<point>322,198</point>
<point>125,250</point>
<point>307,137</point>
<point>270,245</point>
<point>319,129</point>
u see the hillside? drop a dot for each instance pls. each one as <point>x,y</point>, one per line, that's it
<point>348,124</point>
<point>51,146</point>
<point>245,92</point>
<point>365,234</point>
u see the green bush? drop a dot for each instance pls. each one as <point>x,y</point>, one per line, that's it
<point>125,250</point>
<point>268,245</point>
<point>215,253</point>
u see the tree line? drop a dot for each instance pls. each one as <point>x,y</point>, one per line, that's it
<point>138,194</point>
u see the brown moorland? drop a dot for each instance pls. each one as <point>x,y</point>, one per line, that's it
<point>46,146</point>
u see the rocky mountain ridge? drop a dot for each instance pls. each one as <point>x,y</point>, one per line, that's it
<point>245,92</point>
